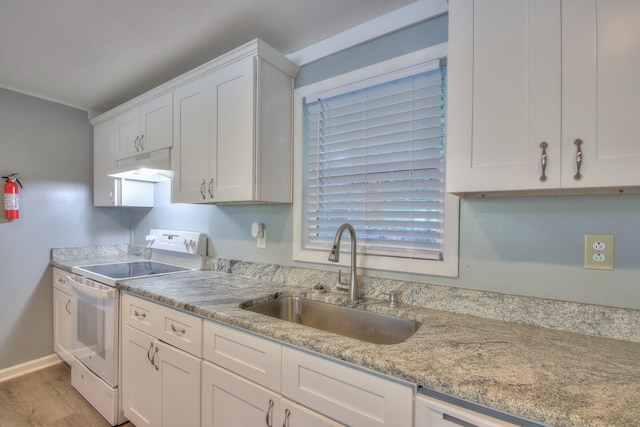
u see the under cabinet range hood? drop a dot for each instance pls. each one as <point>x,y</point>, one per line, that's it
<point>154,166</point>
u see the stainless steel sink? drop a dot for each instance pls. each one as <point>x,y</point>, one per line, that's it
<point>366,326</point>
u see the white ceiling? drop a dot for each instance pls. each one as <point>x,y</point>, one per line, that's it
<point>97,54</point>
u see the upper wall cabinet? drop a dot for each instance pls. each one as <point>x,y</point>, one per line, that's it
<point>145,128</point>
<point>542,95</point>
<point>109,191</point>
<point>233,130</point>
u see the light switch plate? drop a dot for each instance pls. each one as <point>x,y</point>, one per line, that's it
<point>598,251</point>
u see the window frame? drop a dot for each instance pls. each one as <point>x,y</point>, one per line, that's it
<point>448,266</point>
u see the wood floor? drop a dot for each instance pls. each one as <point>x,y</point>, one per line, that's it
<point>46,398</point>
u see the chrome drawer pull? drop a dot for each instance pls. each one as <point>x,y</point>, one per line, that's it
<point>578,175</point>
<point>143,315</point>
<point>204,182</point>
<point>174,329</point>
<point>543,161</point>
<point>268,415</point>
<point>286,417</point>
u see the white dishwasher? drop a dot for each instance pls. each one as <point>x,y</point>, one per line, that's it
<point>436,410</point>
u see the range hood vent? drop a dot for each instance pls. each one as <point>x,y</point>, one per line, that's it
<point>154,166</point>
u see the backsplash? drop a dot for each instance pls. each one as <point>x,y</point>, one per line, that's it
<point>602,321</point>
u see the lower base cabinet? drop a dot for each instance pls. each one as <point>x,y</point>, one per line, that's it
<point>160,383</point>
<point>243,373</point>
<point>231,400</point>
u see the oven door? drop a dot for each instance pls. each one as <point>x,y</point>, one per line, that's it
<point>94,327</point>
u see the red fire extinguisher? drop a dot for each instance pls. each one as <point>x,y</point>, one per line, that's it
<point>11,202</point>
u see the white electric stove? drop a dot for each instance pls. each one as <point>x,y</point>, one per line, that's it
<point>95,313</point>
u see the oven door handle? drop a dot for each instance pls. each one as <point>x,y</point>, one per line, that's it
<point>111,293</point>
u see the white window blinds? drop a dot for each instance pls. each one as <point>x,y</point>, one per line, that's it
<point>374,157</point>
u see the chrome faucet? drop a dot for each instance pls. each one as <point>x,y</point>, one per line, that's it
<point>334,256</point>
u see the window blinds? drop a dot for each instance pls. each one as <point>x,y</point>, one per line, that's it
<point>374,158</point>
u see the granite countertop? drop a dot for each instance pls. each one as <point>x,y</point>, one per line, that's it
<point>550,376</point>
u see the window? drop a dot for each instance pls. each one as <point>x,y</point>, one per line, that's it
<point>370,152</point>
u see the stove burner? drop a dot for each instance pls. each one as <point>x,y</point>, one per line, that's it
<point>132,269</point>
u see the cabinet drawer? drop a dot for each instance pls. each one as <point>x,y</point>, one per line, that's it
<point>139,313</point>
<point>182,330</point>
<point>255,358</point>
<point>351,396</point>
<point>60,280</point>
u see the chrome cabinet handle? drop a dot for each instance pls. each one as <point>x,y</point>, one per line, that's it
<point>174,329</point>
<point>268,414</point>
<point>204,182</point>
<point>66,307</point>
<point>543,161</point>
<point>143,315</point>
<point>578,175</point>
<point>142,142</point>
<point>149,352</point>
<point>135,144</point>
<point>286,417</point>
<point>211,188</point>
<point>111,196</point>
<point>153,359</point>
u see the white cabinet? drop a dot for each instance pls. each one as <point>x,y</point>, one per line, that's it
<point>160,383</point>
<point>109,191</point>
<point>231,400</point>
<point>62,315</point>
<point>348,394</point>
<point>252,371</point>
<point>104,160</point>
<point>527,79</point>
<point>145,128</point>
<point>233,130</point>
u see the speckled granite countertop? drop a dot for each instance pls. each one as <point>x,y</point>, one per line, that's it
<point>553,377</point>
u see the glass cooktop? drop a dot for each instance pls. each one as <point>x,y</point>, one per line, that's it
<point>127,270</point>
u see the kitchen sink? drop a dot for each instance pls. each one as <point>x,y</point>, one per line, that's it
<point>366,326</point>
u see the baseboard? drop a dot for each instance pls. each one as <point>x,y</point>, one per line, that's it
<point>27,367</point>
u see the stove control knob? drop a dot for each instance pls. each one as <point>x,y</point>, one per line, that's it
<point>189,242</point>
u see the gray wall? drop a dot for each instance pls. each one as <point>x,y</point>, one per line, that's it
<point>50,145</point>
<point>527,246</point>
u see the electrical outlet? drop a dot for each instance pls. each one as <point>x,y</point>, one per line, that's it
<point>598,251</point>
<point>262,239</point>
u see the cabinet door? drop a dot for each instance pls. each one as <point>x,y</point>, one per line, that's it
<point>127,138</point>
<point>230,400</point>
<point>141,382</point>
<point>601,97</point>
<point>62,324</point>
<point>190,153</point>
<point>504,73</point>
<point>180,386</point>
<point>156,124</point>
<point>104,160</point>
<point>232,153</point>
